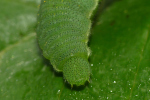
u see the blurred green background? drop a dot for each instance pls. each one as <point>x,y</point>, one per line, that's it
<point>120,60</point>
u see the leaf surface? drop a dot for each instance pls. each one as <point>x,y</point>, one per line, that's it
<point>119,61</point>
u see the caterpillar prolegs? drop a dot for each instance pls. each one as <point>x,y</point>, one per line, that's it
<point>63,30</point>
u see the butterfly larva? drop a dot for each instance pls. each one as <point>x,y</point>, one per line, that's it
<point>63,30</point>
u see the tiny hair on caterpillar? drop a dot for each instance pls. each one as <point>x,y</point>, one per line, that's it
<point>63,31</point>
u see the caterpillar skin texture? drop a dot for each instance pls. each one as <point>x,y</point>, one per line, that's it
<point>63,31</point>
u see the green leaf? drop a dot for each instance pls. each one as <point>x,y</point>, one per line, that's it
<point>120,45</point>
<point>17,19</point>
<point>119,61</point>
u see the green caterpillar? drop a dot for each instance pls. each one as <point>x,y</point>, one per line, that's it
<point>63,30</point>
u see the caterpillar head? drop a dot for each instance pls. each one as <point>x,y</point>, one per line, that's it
<point>76,71</point>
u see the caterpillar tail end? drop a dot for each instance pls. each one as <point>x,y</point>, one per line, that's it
<point>76,71</point>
